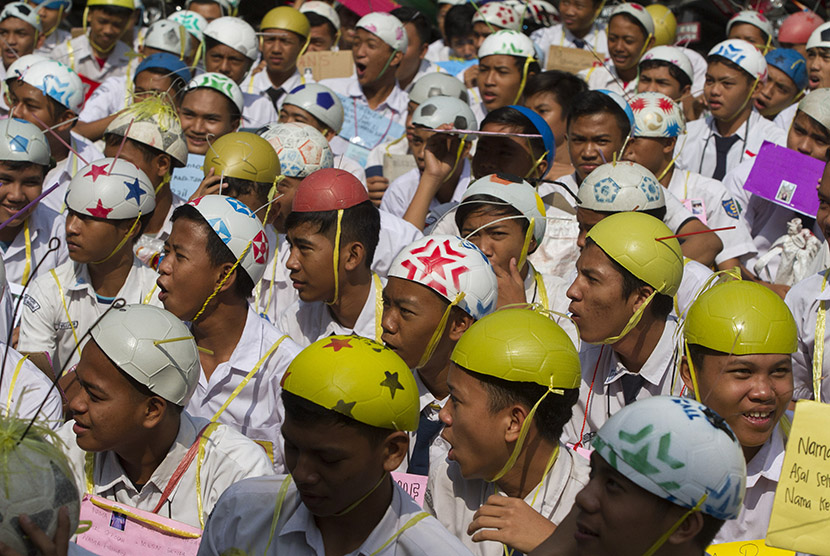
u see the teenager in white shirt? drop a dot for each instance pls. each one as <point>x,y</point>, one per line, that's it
<point>211,107</point>
<point>52,14</point>
<point>578,29</point>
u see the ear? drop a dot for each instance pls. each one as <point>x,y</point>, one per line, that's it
<point>685,91</point>
<point>460,321</point>
<point>517,415</point>
<point>164,164</point>
<point>66,121</point>
<point>686,374</point>
<point>531,247</point>
<point>235,121</point>
<point>229,283</point>
<point>424,49</point>
<point>541,168</point>
<point>352,255</point>
<point>688,530</point>
<point>668,146</point>
<point>395,448</point>
<point>154,411</point>
<point>396,59</point>
<point>641,295</point>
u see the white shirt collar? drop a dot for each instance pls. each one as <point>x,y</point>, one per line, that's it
<point>658,361</point>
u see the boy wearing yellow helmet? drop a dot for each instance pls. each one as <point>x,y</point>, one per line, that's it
<point>739,339</point>
<point>513,380</point>
<point>349,403</point>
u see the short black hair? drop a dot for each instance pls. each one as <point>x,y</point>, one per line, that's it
<point>423,28</point>
<point>218,253</point>
<point>148,153</point>
<point>551,415</point>
<point>458,22</point>
<point>631,19</point>
<point>360,223</point>
<point>595,102</point>
<point>236,187</point>
<point>717,59</point>
<point>675,72</point>
<point>309,413</point>
<point>489,205</point>
<point>115,11</point>
<point>19,165</point>
<point>315,20</point>
<point>509,116</point>
<point>565,87</point>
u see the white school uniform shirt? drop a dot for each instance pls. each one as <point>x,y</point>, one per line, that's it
<point>393,107</point>
<point>308,322</point>
<point>229,457</point>
<point>453,500</point>
<point>44,224</point>
<point>259,83</point>
<point>66,169</point>
<point>77,54</point>
<point>762,474</point>
<point>27,389</point>
<point>697,151</point>
<point>659,374</point>
<point>258,110</point>
<point>606,77</point>
<point>437,51</point>
<point>720,208</point>
<point>397,146</point>
<point>558,35</point>
<point>6,310</point>
<point>400,192</point>
<point>110,97</point>
<point>242,519</point>
<point>257,410</point>
<point>44,326</point>
<point>804,300</point>
<point>53,40</point>
<point>785,118</point>
<point>696,279</point>
<point>555,289</point>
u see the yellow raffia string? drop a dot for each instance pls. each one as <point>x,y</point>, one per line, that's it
<point>89,36</point>
<point>818,349</point>
<point>481,15</point>
<point>164,181</point>
<point>144,520</point>
<point>222,282</point>
<point>429,351</point>
<point>27,236</point>
<point>457,159</point>
<point>541,289</point>
<point>526,244</point>
<point>529,60</point>
<point>199,460</point>
<point>13,382</point>
<point>363,498</point>
<point>277,509</point>
<point>632,322</point>
<point>123,240</point>
<point>665,536</point>
<point>336,257</point>
<point>378,307</point>
<point>181,339</point>
<point>411,523</point>
<point>66,311</point>
<point>536,163</point>
<point>746,100</point>
<point>692,371</point>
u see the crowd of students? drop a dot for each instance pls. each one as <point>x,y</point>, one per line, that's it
<point>549,296</point>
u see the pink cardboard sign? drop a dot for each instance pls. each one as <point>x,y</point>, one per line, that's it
<point>414,485</point>
<point>120,529</point>
<point>786,177</point>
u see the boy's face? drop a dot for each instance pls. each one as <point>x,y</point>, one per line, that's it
<point>818,68</point>
<point>208,10</point>
<point>418,143</point>
<point>290,113</point>
<point>499,241</point>
<point>91,239</point>
<point>205,117</point>
<point>626,42</point>
<point>411,313</point>
<point>750,391</point>
<point>30,104</point>
<point>777,93</point>
<point>310,263</point>
<point>611,512</point>
<point>49,17</point>
<point>474,432</point>
<point>726,90</point>
<point>507,154</point>
<point>546,105</point>
<point>646,151</point>
<point>499,80</point>
<point>577,15</point>
<point>282,207</point>
<point>658,79</point>
<point>823,216</point>
<point>332,466</point>
<point>18,188</point>
<point>480,32</point>
<point>370,57</point>
<point>415,51</point>
<point>106,408</point>
<point>186,277</point>
<point>321,38</point>
<point>592,141</point>
<point>17,38</point>
<point>148,83</point>
<point>749,33</point>
<point>227,61</point>
<point>280,49</point>
<point>808,137</point>
<point>105,29</point>
<point>463,47</point>
<point>587,219</point>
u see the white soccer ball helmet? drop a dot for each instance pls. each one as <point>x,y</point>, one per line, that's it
<point>237,227</point>
<point>498,14</point>
<point>520,195</point>
<point>672,55</point>
<point>620,187</point>
<point>462,268</point>
<point>169,36</point>
<point>300,148</point>
<point>219,83</point>
<point>743,54</point>
<point>656,115</point>
<point>118,193</point>
<point>817,106</point>
<point>17,68</point>
<point>437,84</point>
<point>387,28</point>
<point>677,449</point>
<point>24,142</point>
<point>438,111</point>
<point>129,335</point>
<point>23,12</point>
<point>195,23</point>
<point>508,43</point>
<point>636,11</point>
<point>319,101</point>
<point>753,18</point>
<point>57,81</point>
<point>323,10</point>
<point>235,33</point>
<point>162,131</point>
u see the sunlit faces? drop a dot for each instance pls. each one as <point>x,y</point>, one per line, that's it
<point>221,58</point>
<point>498,238</point>
<point>31,104</point>
<point>505,154</point>
<point>546,105</point>
<point>818,68</point>
<point>411,314</point>
<point>17,38</point>
<point>311,264</point>
<point>280,49</point>
<point>373,58</point>
<point>808,137</point>
<point>658,79</point>
<point>18,187</point>
<point>320,38</point>
<point>650,152</point>
<point>777,93</point>
<point>750,391</point>
<point>577,15</point>
<point>727,90</point>
<point>463,47</point>
<point>411,61</point>
<point>626,42</point>
<point>481,31</point>
<point>149,83</point>
<point>90,239</point>
<point>477,435</point>
<point>748,33</point>
<point>823,216</point>
<point>105,29</point>
<point>499,80</point>
<point>206,116</point>
<point>592,140</point>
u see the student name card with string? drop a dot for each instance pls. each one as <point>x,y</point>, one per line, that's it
<point>414,485</point>
<point>454,67</point>
<point>801,509</point>
<point>365,128</point>
<point>746,548</point>
<point>327,64</point>
<point>571,60</point>
<point>786,177</point>
<point>185,181</point>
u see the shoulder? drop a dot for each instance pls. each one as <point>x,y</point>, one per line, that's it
<point>804,293</point>
<point>229,447</point>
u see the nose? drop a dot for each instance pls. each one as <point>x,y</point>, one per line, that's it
<point>573,292</point>
<point>73,224</point>
<point>14,192</point>
<point>804,145</point>
<point>293,263</point>
<point>304,472</point>
<point>580,239</point>
<point>389,323</point>
<point>445,415</point>
<point>762,389</point>
<point>587,499</point>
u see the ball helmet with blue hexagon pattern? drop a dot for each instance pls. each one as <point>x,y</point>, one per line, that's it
<point>24,142</point>
<point>57,81</point>
<point>744,54</point>
<point>619,187</point>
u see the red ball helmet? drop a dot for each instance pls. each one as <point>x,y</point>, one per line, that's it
<point>797,28</point>
<point>329,189</point>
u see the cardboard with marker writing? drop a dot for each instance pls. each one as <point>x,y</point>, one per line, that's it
<point>327,64</point>
<point>572,60</point>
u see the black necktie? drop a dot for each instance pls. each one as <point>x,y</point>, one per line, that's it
<point>427,431</point>
<point>275,95</point>
<point>631,385</point>
<point>579,43</point>
<point>722,146</point>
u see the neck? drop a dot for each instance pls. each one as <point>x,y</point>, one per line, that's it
<point>580,34</point>
<point>59,151</point>
<point>529,469</point>
<point>355,289</point>
<point>627,75</point>
<point>666,179</point>
<point>344,534</point>
<point>403,82</point>
<point>9,233</point>
<point>97,51</point>
<point>108,277</point>
<point>277,78</point>
<point>219,330</point>
<point>164,200</point>
<point>379,90</point>
<point>751,451</point>
<point>637,346</point>
<point>731,126</point>
<point>141,460</point>
<point>434,375</point>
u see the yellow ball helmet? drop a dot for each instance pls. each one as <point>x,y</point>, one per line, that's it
<point>665,24</point>
<point>741,318</point>
<point>630,239</point>
<point>359,378</point>
<point>245,156</point>
<point>129,4</point>
<point>519,345</point>
<point>287,18</point>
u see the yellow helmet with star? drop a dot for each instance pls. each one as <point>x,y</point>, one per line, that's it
<point>243,155</point>
<point>356,377</point>
<point>519,345</point>
<point>129,4</point>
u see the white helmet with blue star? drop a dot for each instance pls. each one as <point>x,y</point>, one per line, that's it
<point>239,229</point>
<point>118,191</point>
<point>57,81</point>
<point>23,141</point>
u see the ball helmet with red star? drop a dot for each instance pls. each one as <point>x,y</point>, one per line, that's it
<point>237,227</point>
<point>656,115</point>
<point>113,189</point>
<point>498,15</point>
<point>449,266</point>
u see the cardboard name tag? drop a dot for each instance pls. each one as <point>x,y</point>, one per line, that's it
<point>396,165</point>
<point>572,60</point>
<point>327,64</point>
<point>786,177</point>
<point>185,181</point>
<point>414,485</point>
<point>746,548</point>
